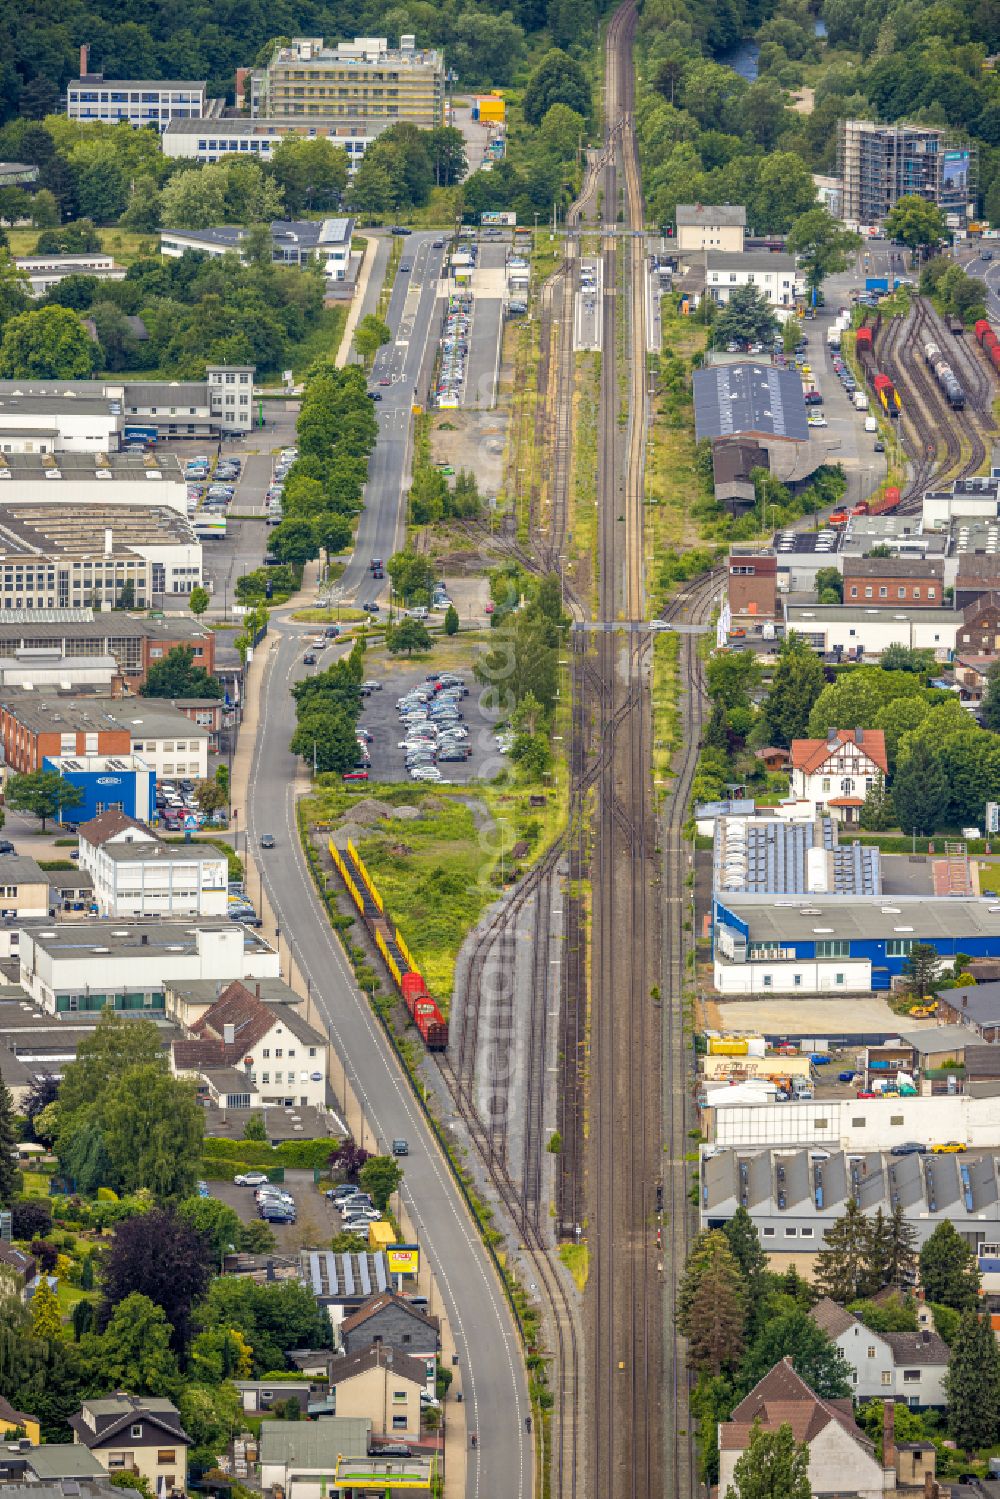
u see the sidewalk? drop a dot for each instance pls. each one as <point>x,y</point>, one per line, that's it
<point>453,1410</point>
<point>357,301</point>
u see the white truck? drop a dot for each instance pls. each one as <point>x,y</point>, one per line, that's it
<point>871,425</point>
<point>833,338</point>
<point>860,400</point>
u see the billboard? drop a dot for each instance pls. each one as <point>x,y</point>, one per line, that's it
<point>955,173</point>
<point>403,1259</point>
<point>498,220</point>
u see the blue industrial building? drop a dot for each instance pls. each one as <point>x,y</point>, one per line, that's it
<point>829,944</point>
<point>123,782</point>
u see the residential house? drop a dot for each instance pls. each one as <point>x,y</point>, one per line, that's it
<point>13,1421</point>
<point>975,1006</point>
<point>383,1385</point>
<point>903,1366</point>
<point>393,1322</point>
<point>55,1463</point>
<point>704,226</point>
<point>17,1270</point>
<point>136,1433</point>
<point>889,582</point>
<point>24,887</point>
<point>300,1457</point>
<point>834,774</point>
<point>135,873</point>
<point>282,1058</point>
<point>842,1460</point>
<point>776,277</point>
<point>260,1396</point>
<point>774,758</point>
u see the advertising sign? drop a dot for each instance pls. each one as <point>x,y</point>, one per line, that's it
<point>403,1259</point>
<point>955,173</point>
<point>498,220</point>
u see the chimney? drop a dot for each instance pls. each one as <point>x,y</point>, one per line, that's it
<point>926,1336</point>
<point>269,1273</point>
<point>931,1489</point>
<point>256,989</point>
<point>859,736</point>
<point>84,59</point>
<point>888,1434</point>
<point>229,1033</point>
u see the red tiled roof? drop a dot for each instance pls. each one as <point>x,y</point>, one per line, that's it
<point>250,1018</point>
<point>808,755</point>
<point>783,1397</point>
<point>846,801</point>
<point>106,825</point>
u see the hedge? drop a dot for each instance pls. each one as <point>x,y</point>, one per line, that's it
<point>305,1155</point>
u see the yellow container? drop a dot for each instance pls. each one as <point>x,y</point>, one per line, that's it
<point>380,1235</point>
<point>727,1046</point>
<point>492,111</point>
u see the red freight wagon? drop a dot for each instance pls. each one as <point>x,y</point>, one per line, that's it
<point>995,356</point>
<point>863,340</point>
<point>981,329</point>
<point>990,339</point>
<point>888,500</point>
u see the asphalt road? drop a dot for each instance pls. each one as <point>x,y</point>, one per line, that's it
<point>989,273</point>
<point>411,316</point>
<point>492,1374</point>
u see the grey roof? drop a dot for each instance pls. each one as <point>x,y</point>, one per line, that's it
<point>734,215</point>
<point>142,717</point>
<point>155,852</point>
<point>347,1277</point>
<point>122,937</point>
<point>314,1444</point>
<point>19,869</point>
<point>893,567</point>
<point>263,125</point>
<point>154,392</point>
<point>747,260</point>
<point>306,232</point>
<point>917,1347</point>
<point>755,399</point>
<point>863,613</point>
<point>63,1460</point>
<point>935,1038</point>
<point>78,531</point>
<point>770,855</point>
<point>831,1317</point>
<point>98,80</point>
<point>980,1002</point>
<point>821,917</point>
<point>206,991</point>
<point>86,466</point>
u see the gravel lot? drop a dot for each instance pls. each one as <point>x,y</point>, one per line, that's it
<point>380,716</point>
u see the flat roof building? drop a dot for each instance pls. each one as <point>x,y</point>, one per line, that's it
<point>294,242</point>
<point>99,415</point>
<point>361,80</point>
<point>879,164</point>
<point>132,101</point>
<point>43,272</point>
<point>135,641</point>
<point>104,478</point>
<point>209,138</point>
<point>766,855</point>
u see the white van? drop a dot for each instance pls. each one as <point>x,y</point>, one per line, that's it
<point>871,425</point>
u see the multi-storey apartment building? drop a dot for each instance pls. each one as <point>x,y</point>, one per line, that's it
<point>361,80</point>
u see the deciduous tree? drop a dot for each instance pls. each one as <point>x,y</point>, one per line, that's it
<point>177,675</point>
<point>972,1385</point>
<point>920,792</point>
<point>8,1146</point>
<point>44,793</point>
<point>915,222</point>
<point>773,1466</point>
<point>50,343</point>
<point>380,1176</point>
<point>823,245</point>
<point>949,1273</point>
<point>797,682</point>
<point>814,1355</point>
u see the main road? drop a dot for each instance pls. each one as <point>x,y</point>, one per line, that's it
<point>493,1379</point>
<point>401,364</point>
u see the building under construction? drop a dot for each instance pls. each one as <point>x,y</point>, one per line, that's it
<point>879,164</point>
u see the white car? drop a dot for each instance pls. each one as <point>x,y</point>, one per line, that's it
<point>250,1179</point>
<point>818,421</point>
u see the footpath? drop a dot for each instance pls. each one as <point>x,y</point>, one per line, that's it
<point>350,1109</point>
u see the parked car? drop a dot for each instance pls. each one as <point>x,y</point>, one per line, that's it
<point>909,1147</point>
<point>250,1179</point>
<point>355,775</point>
<point>949,1147</point>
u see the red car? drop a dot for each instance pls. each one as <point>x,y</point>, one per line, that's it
<point>355,775</point>
<point>862,1094</point>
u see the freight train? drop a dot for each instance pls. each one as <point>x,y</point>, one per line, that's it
<point>989,342</point>
<point>882,387</point>
<point>424,1010</point>
<point>886,394</point>
<point>945,376</point>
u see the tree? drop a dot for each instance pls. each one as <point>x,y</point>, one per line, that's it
<point>163,1257</point>
<point>349,1157</point>
<point>310,173</point>
<point>915,222</point>
<point>211,1416</point>
<point>221,1353</point>
<point>746,318</point>
<point>104,1055</point>
<point>9,1177</point>
<point>46,1319</point>
<point>824,247</point>
<point>732,677</point>
<point>743,1240</point>
<point>369,336</point>
<point>49,343</point>
<point>773,1466</point>
<point>858,696</point>
<point>218,1223</point>
<point>43,793</point>
<point>44,1091</point>
<point>412,575</point>
<point>199,600</point>
<point>972,1385</point>
<point>991,699</point>
<point>814,1355</point>
<point>920,792</point>
<point>447,148</point>
<point>451,620</point>
<point>255,1129</point>
<point>270,1317</point>
<point>921,968</point>
<point>178,676</point>
<point>797,682</point>
<point>711,1304</point>
<point>893,1249</point>
<point>152,1127</point>
<point>949,1273</point>
<point>892,1315</point>
<point>843,1266</point>
<point>830,585</point>
<point>134,1352</point>
<point>77,238</point>
<point>877,813</point>
<point>212,796</point>
<point>409,635</point>
<point>558,79</point>
<point>380,1176</point>
<point>326,738</point>
<point>294,541</point>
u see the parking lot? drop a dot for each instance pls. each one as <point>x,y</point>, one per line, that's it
<point>316,1220</point>
<point>380,717</point>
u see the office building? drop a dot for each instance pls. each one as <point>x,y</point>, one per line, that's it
<point>135,873</point>
<point>294,242</point>
<point>73,556</point>
<point>855,632</point>
<point>361,80</point>
<point>143,101</point>
<point>36,725</point>
<point>122,783</point>
<point>100,415</point>
<point>208,139</point>
<point>86,965</point>
<point>776,277</point>
<point>43,272</point>
<point>135,642</point>
<point>879,164</point>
